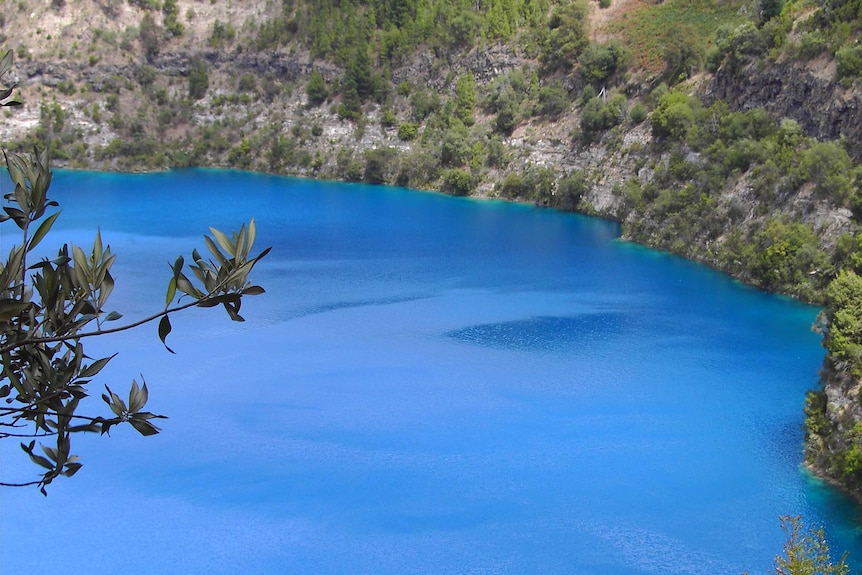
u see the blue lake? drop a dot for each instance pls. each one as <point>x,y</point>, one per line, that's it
<point>429,385</point>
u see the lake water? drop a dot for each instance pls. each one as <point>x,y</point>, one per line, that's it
<point>429,385</point>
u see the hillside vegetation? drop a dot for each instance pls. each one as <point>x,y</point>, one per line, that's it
<point>726,131</point>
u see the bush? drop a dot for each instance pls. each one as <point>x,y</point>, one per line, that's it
<point>513,186</point>
<point>848,61</point>
<point>598,62</point>
<point>388,119</point>
<point>507,119</point>
<point>673,116</point>
<point>377,165</point>
<point>316,89</point>
<point>637,114</point>
<point>568,35</point>
<point>598,116</point>
<point>553,100</point>
<point>221,34</point>
<point>570,190</point>
<point>497,156</point>
<point>457,182</point>
<point>682,55</point>
<point>408,131</point>
<point>198,80</point>
<point>844,338</point>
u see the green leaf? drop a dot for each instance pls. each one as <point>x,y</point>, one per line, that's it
<point>186,286</point>
<point>95,367</point>
<point>42,231</point>
<point>137,397</point>
<point>39,460</point>
<point>6,62</point>
<point>10,308</point>
<point>17,215</point>
<point>144,427</point>
<point>224,242</point>
<point>164,330</point>
<point>172,291</point>
<point>113,316</point>
<point>253,290</point>
<point>72,469</point>
<point>252,234</point>
<point>213,249</point>
<point>105,288</point>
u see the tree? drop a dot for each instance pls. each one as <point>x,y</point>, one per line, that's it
<point>151,37</point>
<point>171,12</point>
<point>598,62</point>
<point>199,81</point>
<point>316,89</point>
<point>672,117</point>
<point>50,307</point>
<point>806,552</point>
<point>465,98</point>
<point>457,182</point>
<point>770,9</point>
<point>568,35</point>
<point>682,55</point>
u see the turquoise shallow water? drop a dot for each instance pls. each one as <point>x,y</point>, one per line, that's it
<point>430,385</point>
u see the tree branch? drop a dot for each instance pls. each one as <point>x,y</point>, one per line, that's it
<point>3,484</point>
<point>60,338</point>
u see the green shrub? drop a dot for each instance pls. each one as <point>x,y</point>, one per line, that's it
<point>553,100</point>
<point>848,61</point>
<point>598,62</point>
<point>570,191</point>
<point>246,83</point>
<point>673,116</point>
<point>844,338</point>
<point>198,80</point>
<point>457,182</point>
<point>377,165</point>
<point>388,119</point>
<point>638,113</point>
<point>316,89</point>
<point>408,131</point>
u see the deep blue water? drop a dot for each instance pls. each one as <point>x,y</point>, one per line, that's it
<point>430,385</point>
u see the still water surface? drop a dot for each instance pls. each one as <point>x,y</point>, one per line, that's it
<point>430,385</point>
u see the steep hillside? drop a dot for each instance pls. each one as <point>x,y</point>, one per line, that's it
<point>724,131</point>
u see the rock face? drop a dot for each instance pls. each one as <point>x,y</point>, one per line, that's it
<point>807,93</point>
<point>833,430</point>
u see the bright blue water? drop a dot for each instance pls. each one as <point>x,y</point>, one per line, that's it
<point>430,385</point>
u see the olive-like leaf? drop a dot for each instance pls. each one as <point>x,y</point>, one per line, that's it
<point>42,231</point>
<point>95,367</point>
<point>71,469</point>
<point>224,242</point>
<point>172,291</point>
<point>138,397</point>
<point>144,427</point>
<point>6,61</point>
<point>164,330</point>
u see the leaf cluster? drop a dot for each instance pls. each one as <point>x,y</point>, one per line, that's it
<point>48,307</point>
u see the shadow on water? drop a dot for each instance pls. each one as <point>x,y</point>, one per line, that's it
<point>545,333</point>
